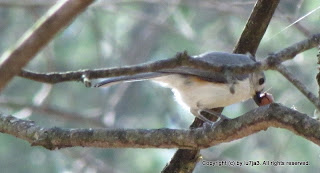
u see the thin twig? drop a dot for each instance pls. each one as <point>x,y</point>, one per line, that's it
<point>55,112</point>
<point>60,15</point>
<point>291,51</point>
<point>181,59</point>
<point>299,85</point>
<point>318,75</point>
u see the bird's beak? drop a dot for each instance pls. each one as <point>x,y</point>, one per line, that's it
<point>257,98</point>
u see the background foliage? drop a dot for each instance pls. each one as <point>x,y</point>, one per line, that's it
<point>117,33</point>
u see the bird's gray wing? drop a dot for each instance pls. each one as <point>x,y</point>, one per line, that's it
<point>222,58</point>
<point>204,75</point>
<point>216,58</point>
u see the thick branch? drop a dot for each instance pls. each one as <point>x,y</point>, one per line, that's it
<point>185,160</point>
<point>274,115</point>
<point>256,26</point>
<point>181,59</point>
<point>38,36</point>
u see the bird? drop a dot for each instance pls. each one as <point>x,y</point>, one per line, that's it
<point>202,90</point>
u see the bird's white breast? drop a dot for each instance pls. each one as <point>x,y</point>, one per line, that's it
<point>206,94</point>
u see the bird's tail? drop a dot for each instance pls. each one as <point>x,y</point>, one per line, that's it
<point>132,78</point>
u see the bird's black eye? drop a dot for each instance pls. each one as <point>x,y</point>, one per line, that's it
<point>261,81</point>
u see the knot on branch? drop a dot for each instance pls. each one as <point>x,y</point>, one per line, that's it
<point>273,61</point>
<point>86,80</point>
<point>316,38</point>
<point>182,58</point>
<point>46,136</point>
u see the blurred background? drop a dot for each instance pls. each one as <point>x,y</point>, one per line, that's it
<point>125,32</point>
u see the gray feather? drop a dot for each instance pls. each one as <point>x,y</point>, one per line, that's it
<point>217,58</point>
<point>133,78</point>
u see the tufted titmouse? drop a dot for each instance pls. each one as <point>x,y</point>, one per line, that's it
<point>201,90</point>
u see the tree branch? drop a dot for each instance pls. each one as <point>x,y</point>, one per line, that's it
<point>180,59</point>
<point>54,111</point>
<point>318,75</point>
<point>38,36</point>
<point>299,85</point>
<point>274,115</point>
<point>256,26</point>
<point>185,160</point>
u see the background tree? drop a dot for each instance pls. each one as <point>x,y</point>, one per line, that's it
<point>117,33</point>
